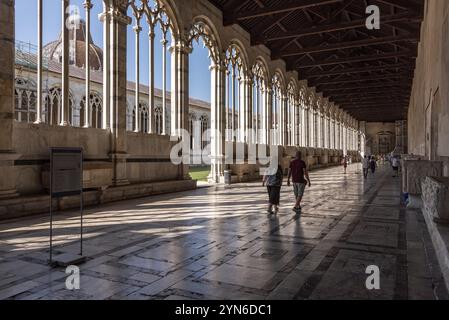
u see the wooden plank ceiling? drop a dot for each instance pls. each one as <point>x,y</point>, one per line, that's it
<point>368,73</point>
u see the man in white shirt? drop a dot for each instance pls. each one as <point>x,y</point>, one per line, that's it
<point>365,165</point>
<point>395,165</point>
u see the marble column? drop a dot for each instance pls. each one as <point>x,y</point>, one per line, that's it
<point>105,19</point>
<point>218,122</point>
<point>117,79</point>
<point>284,121</point>
<point>64,107</point>
<point>180,96</point>
<point>247,103</point>
<point>7,154</point>
<point>87,107</point>
<point>268,121</point>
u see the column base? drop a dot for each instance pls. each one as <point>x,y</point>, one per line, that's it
<point>119,167</point>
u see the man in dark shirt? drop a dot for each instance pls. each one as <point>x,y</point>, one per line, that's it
<point>298,171</point>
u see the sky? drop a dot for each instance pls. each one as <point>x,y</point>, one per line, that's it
<point>26,31</point>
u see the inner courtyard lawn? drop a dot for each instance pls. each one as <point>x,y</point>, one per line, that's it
<point>199,173</point>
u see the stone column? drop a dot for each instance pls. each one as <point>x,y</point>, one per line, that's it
<point>180,95</point>
<point>218,123</point>
<point>245,110</point>
<point>247,123</point>
<point>105,19</point>
<point>64,111</point>
<point>268,121</point>
<point>7,154</point>
<point>117,79</point>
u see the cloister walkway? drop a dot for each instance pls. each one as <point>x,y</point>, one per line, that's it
<point>219,243</point>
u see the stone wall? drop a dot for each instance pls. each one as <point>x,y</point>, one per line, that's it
<point>373,129</point>
<point>428,115</point>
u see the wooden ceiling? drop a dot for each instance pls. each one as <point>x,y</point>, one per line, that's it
<point>368,73</point>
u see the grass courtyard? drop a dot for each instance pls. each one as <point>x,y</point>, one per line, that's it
<point>199,173</point>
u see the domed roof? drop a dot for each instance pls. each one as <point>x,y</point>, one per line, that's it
<point>77,49</point>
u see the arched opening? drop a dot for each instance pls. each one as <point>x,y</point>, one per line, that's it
<point>235,89</point>
<point>149,63</point>
<point>202,60</point>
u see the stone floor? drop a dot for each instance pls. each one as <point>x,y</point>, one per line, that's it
<point>219,243</point>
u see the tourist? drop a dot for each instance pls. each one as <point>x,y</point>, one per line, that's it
<point>345,163</point>
<point>373,165</point>
<point>395,165</point>
<point>365,166</point>
<point>300,178</point>
<point>274,183</point>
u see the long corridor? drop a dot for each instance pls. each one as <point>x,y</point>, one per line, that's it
<point>219,243</point>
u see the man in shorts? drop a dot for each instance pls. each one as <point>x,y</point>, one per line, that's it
<point>395,165</point>
<point>300,177</point>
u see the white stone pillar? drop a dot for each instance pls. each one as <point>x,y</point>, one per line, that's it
<point>246,131</point>
<point>87,107</point>
<point>283,121</point>
<point>151,72</point>
<point>105,19</point>
<point>218,123</point>
<point>164,84</point>
<point>268,121</point>
<point>64,106</point>
<point>39,99</point>
<point>137,30</point>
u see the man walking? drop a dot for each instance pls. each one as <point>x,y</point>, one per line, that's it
<point>395,165</point>
<point>365,165</point>
<point>298,171</point>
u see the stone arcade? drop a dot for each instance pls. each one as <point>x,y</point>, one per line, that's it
<point>297,75</point>
<point>127,144</point>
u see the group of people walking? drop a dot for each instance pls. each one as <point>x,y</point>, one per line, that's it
<point>297,174</point>
<point>369,163</point>
<point>298,177</point>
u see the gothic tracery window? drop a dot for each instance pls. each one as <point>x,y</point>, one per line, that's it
<point>96,110</point>
<point>234,88</point>
<point>292,115</point>
<point>151,24</point>
<point>277,101</point>
<point>25,100</point>
<point>259,103</point>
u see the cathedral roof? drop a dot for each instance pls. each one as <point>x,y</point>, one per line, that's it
<point>77,49</point>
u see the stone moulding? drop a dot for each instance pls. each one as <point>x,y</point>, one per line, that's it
<point>435,194</point>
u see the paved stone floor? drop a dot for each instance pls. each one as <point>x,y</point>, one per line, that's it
<point>218,243</point>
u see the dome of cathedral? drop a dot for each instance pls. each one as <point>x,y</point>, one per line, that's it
<point>77,49</point>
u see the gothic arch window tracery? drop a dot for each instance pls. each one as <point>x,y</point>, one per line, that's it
<point>53,106</point>
<point>25,100</point>
<point>277,102</point>
<point>292,114</point>
<point>201,31</point>
<point>158,119</point>
<point>96,110</point>
<point>204,122</point>
<point>235,73</point>
<point>152,16</point>
<point>259,87</point>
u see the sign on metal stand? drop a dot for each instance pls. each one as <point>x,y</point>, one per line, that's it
<point>66,179</point>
